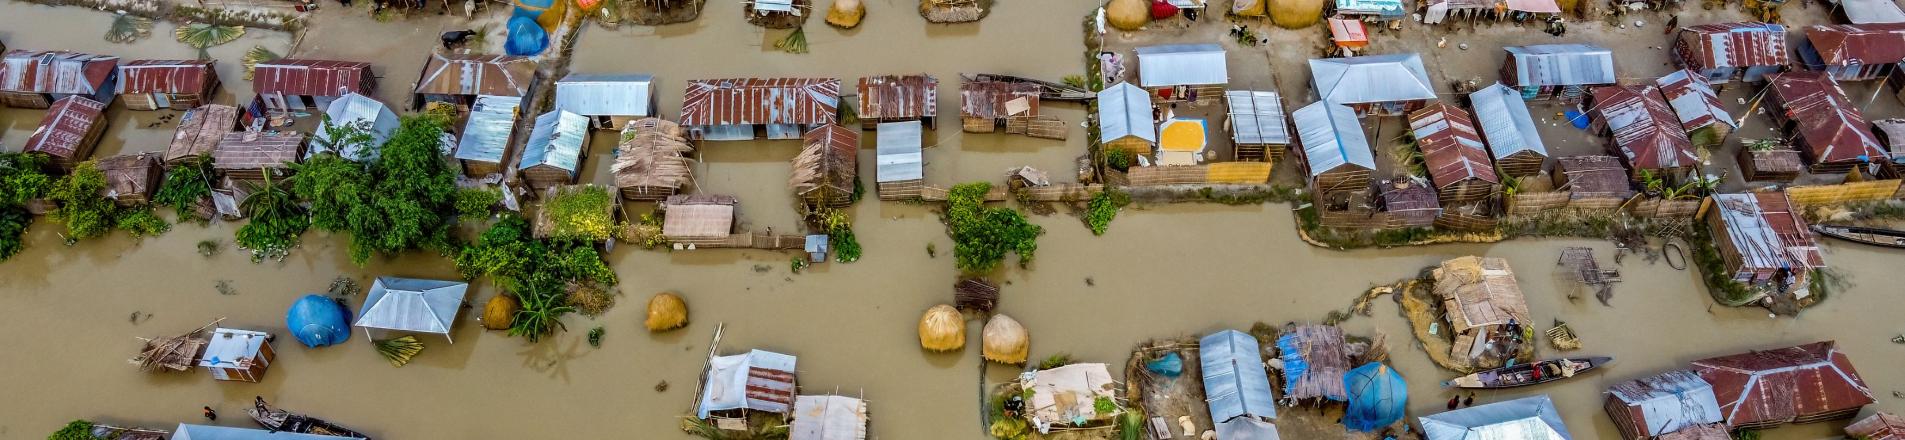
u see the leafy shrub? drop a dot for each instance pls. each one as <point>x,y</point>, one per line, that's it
<point>581,213</point>
<point>22,178</point>
<point>1118,159</point>
<point>276,221</point>
<point>846,247</point>
<point>981,235</point>
<point>473,204</point>
<point>185,184</point>
<point>75,430</point>
<point>1103,207</point>
<point>141,222</point>
<point>87,214</point>
<point>335,187</point>
<point>13,223</point>
<point>412,191</point>
<point>538,272</point>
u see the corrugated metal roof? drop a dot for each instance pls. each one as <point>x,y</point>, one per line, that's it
<point>557,141</point>
<point>1451,148</point>
<point>166,76</point>
<point>300,77</point>
<point>828,418</point>
<point>995,99</point>
<point>1668,402</point>
<point>1693,100</point>
<point>486,135</point>
<point>1235,382</point>
<point>1645,128</point>
<point>898,150</point>
<point>1878,426</point>
<point>55,72</point>
<point>188,431</point>
<point>1182,65</point>
<point>1373,78</point>
<point>412,305</point>
<point>1506,122</point>
<point>1832,126</point>
<point>200,129</point>
<point>476,74</point>
<point>1390,8</point>
<point>1871,11</point>
<point>1535,6</point>
<point>606,94</point>
<point>1332,138</point>
<point>355,110</point>
<point>1125,110</point>
<point>755,101</point>
<point>1561,65</point>
<point>758,380</point>
<point>251,150</point>
<point>1247,429</point>
<point>64,126</point>
<point>1766,387</point>
<point>1528,418</point>
<point>1763,230</point>
<point>1866,44</point>
<point>1256,117</point>
<point>899,97</point>
<point>1742,44</point>
<point>230,348</point>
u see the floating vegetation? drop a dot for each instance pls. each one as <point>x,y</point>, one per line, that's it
<point>399,350</point>
<point>343,286</point>
<point>595,337</point>
<point>128,28</point>
<point>257,54</point>
<point>795,42</point>
<point>202,36</point>
<point>225,288</point>
<point>209,248</point>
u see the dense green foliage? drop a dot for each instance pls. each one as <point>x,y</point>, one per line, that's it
<point>474,204</point>
<point>1118,159</point>
<point>1103,207</point>
<point>981,235</point>
<point>22,178</point>
<point>13,223</point>
<point>86,212</point>
<point>276,221</point>
<point>75,430</point>
<point>536,271</point>
<point>846,247</point>
<point>334,187</point>
<point>581,213</point>
<point>141,222</point>
<point>397,202</point>
<point>185,184</point>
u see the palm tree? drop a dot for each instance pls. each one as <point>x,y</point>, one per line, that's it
<point>202,36</point>
<point>127,28</point>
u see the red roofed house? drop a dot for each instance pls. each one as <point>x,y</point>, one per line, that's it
<point>1759,238</point>
<point>31,79</point>
<point>1801,384</point>
<point>1724,51</point>
<point>1853,52</point>
<point>167,84</point>
<point>731,109</point>
<point>298,84</point>
<point>898,98</point>
<point>1879,426</point>
<point>1829,131</point>
<point>1452,149</point>
<point>69,131</point>
<point>1643,128</point>
<point>460,78</point>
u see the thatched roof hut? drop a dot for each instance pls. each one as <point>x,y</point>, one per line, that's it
<point>975,294</point>
<point>666,311</point>
<point>1594,182</point>
<point>698,220</point>
<point>131,179</point>
<point>827,167</point>
<point>652,163</point>
<point>1480,297</point>
<point>1005,340</point>
<point>943,328</point>
<point>176,353</point>
<point>1314,361</point>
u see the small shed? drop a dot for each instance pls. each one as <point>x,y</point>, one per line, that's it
<point>1336,154</point>
<point>828,418</point>
<point>458,78</point>
<point>1182,72</point>
<point>1258,128</point>
<point>1660,405</point>
<point>1480,297</point>
<point>698,220</point>
<point>1891,132</point>
<point>1378,85</point>
<point>131,179</point>
<point>1125,119</point>
<point>188,431</point>
<point>237,355</point>
<point>1349,34</point>
<point>1828,129</point>
<point>1759,237</point>
<point>248,155</point>
<point>69,131</point>
<point>1182,142</point>
<point>35,79</point>
<point>553,155</point>
<point>1513,139</point>
<point>1721,52</point>
<point>485,139</point>
<point>1235,381</point>
<point>1453,152</point>
<point>354,111</point>
<point>758,380</point>
<point>1799,384</point>
<point>898,98</point>
<point>610,101</point>
<point>652,162</point>
<point>1642,128</point>
<point>1775,163</point>
<point>199,132</point>
<point>1878,426</point>
<point>1068,392</point>
<point>826,169</point>
<point>900,170</point>
<point>1528,418</point>
<point>167,84</point>
<point>412,305</point>
<point>985,105</point>
<point>1853,52</point>
<point>299,84</point>
<point>1705,120</point>
<point>1408,204</point>
<point>1314,362</point>
<point>732,109</point>
<point>1593,182</point>
<point>1557,71</point>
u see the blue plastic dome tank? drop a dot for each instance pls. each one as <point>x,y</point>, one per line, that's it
<point>318,321</point>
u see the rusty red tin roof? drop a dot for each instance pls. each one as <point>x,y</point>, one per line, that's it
<point>1645,128</point>
<point>1451,148</point>
<point>1769,387</point>
<point>988,99</point>
<point>475,74</point>
<point>889,97</point>
<point>166,76</point>
<point>756,101</point>
<point>56,72</point>
<point>1740,44</point>
<point>65,126</point>
<point>1867,44</point>
<point>311,77</point>
<point>1832,126</point>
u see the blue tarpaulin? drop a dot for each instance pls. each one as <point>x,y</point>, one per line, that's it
<point>1169,365</point>
<point>526,38</point>
<point>318,321</point>
<point>1294,367</point>
<point>1377,397</point>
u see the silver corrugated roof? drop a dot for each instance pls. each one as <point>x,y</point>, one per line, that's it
<point>1257,117</point>
<point>606,94</point>
<point>899,152</point>
<point>1528,418</point>
<point>1671,401</point>
<point>1235,382</point>
<point>1332,137</point>
<point>1182,65</point>
<point>1374,78</point>
<point>355,109</point>
<point>413,305</point>
<point>557,141</point>
<point>1125,110</point>
<point>486,135</point>
<point>1871,11</point>
<point>1505,121</point>
<point>1561,64</point>
<point>187,431</point>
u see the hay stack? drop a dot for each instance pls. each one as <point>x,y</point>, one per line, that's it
<point>1295,14</point>
<point>666,312</point>
<point>942,329</point>
<point>1129,15</point>
<point>846,14</point>
<point>500,312</point>
<point>1005,341</point>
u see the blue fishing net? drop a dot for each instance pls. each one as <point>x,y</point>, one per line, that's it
<point>1377,397</point>
<point>318,321</point>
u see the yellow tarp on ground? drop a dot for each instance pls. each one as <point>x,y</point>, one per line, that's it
<point>1870,190</point>
<point>1239,172</point>
<point>1184,135</point>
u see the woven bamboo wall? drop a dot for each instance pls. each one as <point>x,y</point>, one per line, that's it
<point>646,193</point>
<point>1463,222</point>
<point>1657,208</point>
<point>1356,179</point>
<point>25,100</point>
<point>1521,164</point>
<point>902,190</point>
<point>1465,190</point>
<point>1537,202</point>
<point>1769,166</point>
<point>1172,175</point>
<point>978,125</point>
<point>1133,144</point>
<point>1871,190</point>
<point>478,168</point>
<point>1061,192</point>
<point>543,176</point>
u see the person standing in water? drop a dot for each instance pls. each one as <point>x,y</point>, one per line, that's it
<point>209,414</point>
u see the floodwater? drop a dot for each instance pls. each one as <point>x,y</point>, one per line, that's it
<point>1160,271</point>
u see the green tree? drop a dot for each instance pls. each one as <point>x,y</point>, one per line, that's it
<point>982,236</point>
<point>411,203</point>
<point>538,272</point>
<point>185,184</point>
<point>22,178</point>
<point>335,187</point>
<point>75,430</point>
<point>13,223</point>
<point>85,211</point>
<point>276,220</point>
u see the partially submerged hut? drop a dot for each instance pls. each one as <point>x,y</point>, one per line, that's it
<point>354,112</point>
<point>237,355</point>
<point>1828,128</point>
<point>1005,341</point>
<point>1772,162</point>
<point>298,84</point>
<point>828,418</point>
<point>1721,52</point>
<point>900,171</point>
<point>35,79</point>
<point>1336,154</point>
<point>1513,139</point>
<point>985,105</point>
<point>248,155</point>
<point>1853,52</point>
<point>1761,239</point>
<point>1593,182</point>
<point>131,179</point>
<point>1236,385</point>
<point>1878,426</point>
<point>1453,152</point>
<point>1642,128</point>
<point>1528,418</point>
<point>1659,405</point>
<point>458,78</point>
<point>412,305</point>
<point>610,101</point>
<point>1376,85</point>
<point>698,220</point>
<point>167,84</point>
<point>1125,119</point>
<point>732,109</point>
<point>553,155</point>
<point>1259,131</point>
<point>1799,384</point>
<point>1705,120</point>
<point>1183,72</point>
<point>199,131</point>
<point>485,140</point>
<point>1561,72</point>
<point>758,380</point>
<point>69,131</point>
<point>942,328</point>
<point>175,353</point>
<point>1481,299</point>
<point>652,163</point>
<point>1408,204</point>
<point>827,168</point>
<point>1314,361</point>
<point>1068,393</point>
<point>898,98</point>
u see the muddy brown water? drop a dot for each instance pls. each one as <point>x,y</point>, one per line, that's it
<point>1160,271</point>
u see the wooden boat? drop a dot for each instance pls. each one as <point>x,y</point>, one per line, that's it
<point>278,420</point>
<point>1049,91</point>
<point>1890,238</point>
<point>1537,372</point>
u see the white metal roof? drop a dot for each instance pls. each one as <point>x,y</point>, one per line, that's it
<point>1562,64</point>
<point>228,346</point>
<point>774,5</point>
<point>1872,11</point>
<point>1528,418</point>
<point>1182,65</point>
<point>1125,110</point>
<point>354,109</point>
<point>898,151</point>
<point>828,418</point>
<point>1505,121</point>
<point>1256,117</point>
<point>1332,137</point>
<point>557,140</point>
<point>740,381</point>
<point>486,135</point>
<point>1373,78</point>
<point>606,94</point>
<point>414,305</point>
<point>188,431</point>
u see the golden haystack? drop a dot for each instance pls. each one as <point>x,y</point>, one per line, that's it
<point>942,329</point>
<point>1128,14</point>
<point>1295,14</point>
<point>500,312</point>
<point>1005,341</point>
<point>666,312</point>
<point>846,14</point>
